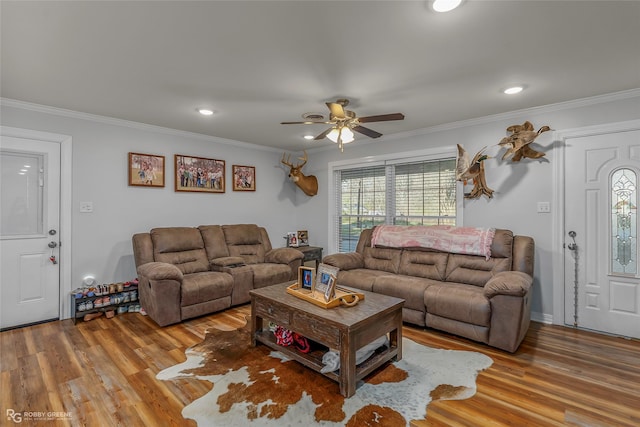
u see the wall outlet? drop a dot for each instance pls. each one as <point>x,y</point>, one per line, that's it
<point>86,207</point>
<point>544,207</point>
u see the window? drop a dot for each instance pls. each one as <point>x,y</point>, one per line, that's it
<point>624,231</point>
<point>394,191</point>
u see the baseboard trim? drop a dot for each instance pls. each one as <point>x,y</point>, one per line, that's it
<point>542,318</point>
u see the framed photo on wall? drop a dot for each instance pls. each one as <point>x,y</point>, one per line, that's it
<point>244,178</point>
<point>146,170</point>
<point>199,174</point>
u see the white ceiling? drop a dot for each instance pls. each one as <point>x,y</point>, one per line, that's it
<point>257,63</point>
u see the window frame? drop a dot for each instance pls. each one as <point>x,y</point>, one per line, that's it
<point>430,154</point>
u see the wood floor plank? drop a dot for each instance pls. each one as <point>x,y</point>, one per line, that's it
<point>104,371</point>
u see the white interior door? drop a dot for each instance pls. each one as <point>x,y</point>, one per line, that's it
<point>602,174</point>
<point>29,231</point>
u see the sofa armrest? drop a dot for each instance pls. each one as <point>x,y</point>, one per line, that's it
<point>512,283</point>
<point>345,261</point>
<point>160,271</point>
<point>159,289</point>
<point>219,264</point>
<point>283,255</point>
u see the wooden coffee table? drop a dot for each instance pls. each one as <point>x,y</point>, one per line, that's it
<point>343,328</point>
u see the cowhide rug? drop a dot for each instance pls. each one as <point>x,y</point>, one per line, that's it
<point>255,386</point>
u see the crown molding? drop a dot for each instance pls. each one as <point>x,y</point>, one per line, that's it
<point>39,108</point>
<point>566,105</point>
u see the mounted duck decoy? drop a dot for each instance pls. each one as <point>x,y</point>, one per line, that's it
<point>473,170</point>
<point>518,143</point>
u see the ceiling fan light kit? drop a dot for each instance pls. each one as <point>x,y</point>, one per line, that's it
<point>345,122</point>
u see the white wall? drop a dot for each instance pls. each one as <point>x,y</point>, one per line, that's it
<point>102,240</point>
<point>518,186</point>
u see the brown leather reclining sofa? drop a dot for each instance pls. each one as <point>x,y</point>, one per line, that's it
<point>186,272</point>
<point>483,300</point>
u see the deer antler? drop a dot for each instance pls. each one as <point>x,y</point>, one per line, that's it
<point>286,162</point>
<point>304,159</point>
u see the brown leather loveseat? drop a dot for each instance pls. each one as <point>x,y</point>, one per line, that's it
<point>486,300</point>
<point>186,272</point>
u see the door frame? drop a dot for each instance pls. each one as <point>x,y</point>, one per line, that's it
<point>558,196</point>
<point>65,142</point>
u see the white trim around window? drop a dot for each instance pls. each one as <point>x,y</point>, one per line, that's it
<point>436,153</point>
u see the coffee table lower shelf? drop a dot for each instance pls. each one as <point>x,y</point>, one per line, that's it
<point>344,329</point>
<point>313,359</point>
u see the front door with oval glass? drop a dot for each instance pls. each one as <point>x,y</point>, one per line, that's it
<point>602,174</point>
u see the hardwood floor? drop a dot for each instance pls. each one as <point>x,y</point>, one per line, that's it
<point>102,373</point>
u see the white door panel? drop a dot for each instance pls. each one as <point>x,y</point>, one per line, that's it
<point>29,223</point>
<point>607,275</point>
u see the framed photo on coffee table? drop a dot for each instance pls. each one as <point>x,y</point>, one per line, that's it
<point>305,278</point>
<point>323,277</point>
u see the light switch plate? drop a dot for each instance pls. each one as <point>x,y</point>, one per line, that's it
<point>544,207</point>
<point>86,207</point>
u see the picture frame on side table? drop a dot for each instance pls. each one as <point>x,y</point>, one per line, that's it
<point>323,278</point>
<point>305,278</point>
<point>146,170</point>
<point>292,239</point>
<point>199,174</point>
<point>244,178</point>
<point>303,238</point>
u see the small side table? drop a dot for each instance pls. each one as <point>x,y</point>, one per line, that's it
<point>311,253</point>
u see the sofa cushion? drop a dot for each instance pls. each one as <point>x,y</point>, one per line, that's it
<point>411,289</point>
<point>382,259</point>
<point>458,301</point>
<point>205,286</point>
<point>267,274</point>
<point>419,263</point>
<point>180,246</point>
<point>245,240</point>
<point>359,278</point>
<point>502,244</point>
<point>474,270</point>
<point>214,242</point>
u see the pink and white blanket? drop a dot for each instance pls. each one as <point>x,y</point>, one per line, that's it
<point>446,238</point>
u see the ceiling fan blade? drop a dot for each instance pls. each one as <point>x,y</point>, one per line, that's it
<point>305,123</point>
<point>381,118</point>
<point>337,110</point>
<point>366,131</point>
<point>323,134</point>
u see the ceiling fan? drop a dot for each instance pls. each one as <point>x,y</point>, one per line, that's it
<point>345,122</point>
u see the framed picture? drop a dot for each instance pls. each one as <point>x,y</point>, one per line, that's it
<point>292,239</point>
<point>146,170</point>
<point>305,278</point>
<point>200,175</point>
<point>330,292</point>
<point>303,238</point>
<point>323,277</point>
<point>244,178</point>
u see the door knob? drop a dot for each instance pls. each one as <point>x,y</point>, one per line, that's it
<point>52,245</point>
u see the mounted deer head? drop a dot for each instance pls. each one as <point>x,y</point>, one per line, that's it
<point>308,184</point>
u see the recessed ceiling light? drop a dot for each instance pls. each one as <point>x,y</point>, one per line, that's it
<point>445,5</point>
<point>205,111</point>
<point>513,90</point>
<point>308,137</point>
